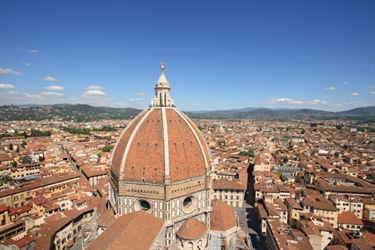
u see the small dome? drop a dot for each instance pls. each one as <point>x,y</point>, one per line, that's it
<point>106,219</point>
<point>222,216</point>
<point>192,229</point>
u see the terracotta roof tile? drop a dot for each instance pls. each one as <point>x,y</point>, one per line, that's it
<point>222,216</point>
<point>136,230</point>
<point>192,229</point>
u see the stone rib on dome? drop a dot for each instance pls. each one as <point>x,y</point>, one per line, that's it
<point>192,229</point>
<point>141,152</point>
<point>222,216</point>
<point>121,144</point>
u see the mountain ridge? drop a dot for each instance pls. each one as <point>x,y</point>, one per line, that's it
<point>85,112</point>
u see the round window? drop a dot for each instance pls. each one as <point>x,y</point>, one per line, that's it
<point>189,204</point>
<point>145,205</point>
<point>142,205</point>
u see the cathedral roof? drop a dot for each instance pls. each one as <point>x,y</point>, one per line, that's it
<point>160,142</point>
<point>106,219</point>
<point>222,216</point>
<point>136,230</point>
<point>192,229</point>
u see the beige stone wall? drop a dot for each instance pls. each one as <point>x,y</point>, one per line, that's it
<point>330,215</point>
<point>26,171</point>
<point>262,167</point>
<point>234,198</point>
<point>171,210</point>
<point>17,199</point>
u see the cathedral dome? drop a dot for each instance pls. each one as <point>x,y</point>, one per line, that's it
<point>161,145</point>
<point>160,142</point>
<point>192,229</point>
<point>222,216</point>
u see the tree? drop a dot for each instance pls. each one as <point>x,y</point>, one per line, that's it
<point>280,161</point>
<point>250,153</point>
<point>23,144</point>
<point>107,148</point>
<point>26,159</point>
<point>18,149</point>
<point>11,146</point>
<point>14,164</point>
<point>277,152</point>
<point>41,158</point>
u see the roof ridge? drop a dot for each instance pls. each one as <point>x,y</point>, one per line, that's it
<point>136,215</point>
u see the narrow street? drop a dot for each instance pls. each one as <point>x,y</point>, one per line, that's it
<point>249,223</point>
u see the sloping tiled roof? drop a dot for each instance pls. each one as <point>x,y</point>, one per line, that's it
<point>348,217</point>
<point>227,184</point>
<point>136,230</point>
<point>222,216</point>
<point>106,218</point>
<point>192,229</point>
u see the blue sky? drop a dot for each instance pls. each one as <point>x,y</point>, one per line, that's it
<point>217,55</point>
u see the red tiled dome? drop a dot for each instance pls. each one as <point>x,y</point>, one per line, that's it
<point>160,142</point>
<point>222,216</point>
<point>192,229</point>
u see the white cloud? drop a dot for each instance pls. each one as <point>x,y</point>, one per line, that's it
<point>34,51</point>
<point>11,92</point>
<point>9,71</point>
<point>51,94</point>
<point>27,64</point>
<point>109,99</point>
<point>330,88</point>
<point>136,99</point>
<point>138,94</point>
<point>356,103</point>
<point>325,103</point>
<point>251,101</point>
<point>370,86</point>
<point>345,83</point>
<point>372,92</point>
<point>123,103</point>
<point>354,94</point>
<point>94,88</point>
<point>289,101</point>
<point>190,104</point>
<point>33,96</point>
<point>54,88</point>
<point>6,86</point>
<point>48,78</point>
<point>92,94</point>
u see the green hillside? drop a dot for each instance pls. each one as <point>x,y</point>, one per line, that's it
<point>84,112</point>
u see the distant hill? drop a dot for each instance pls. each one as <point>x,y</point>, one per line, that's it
<point>370,111</point>
<point>77,112</point>
<point>84,112</point>
<point>242,110</point>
